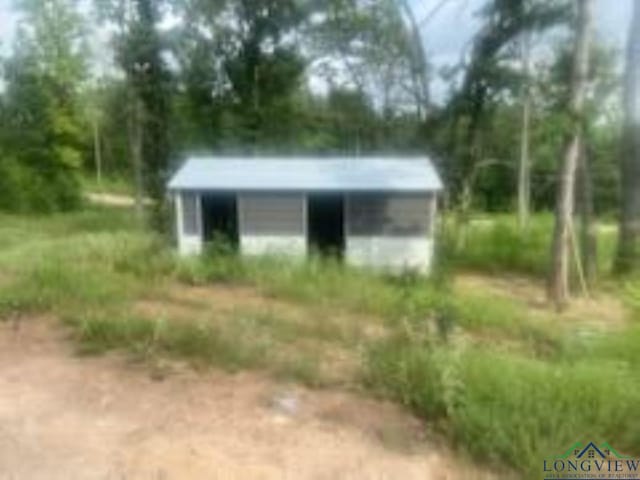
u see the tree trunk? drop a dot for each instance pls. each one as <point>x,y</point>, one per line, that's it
<point>419,68</point>
<point>97,153</point>
<point>589,236</point>
<point>524,168</point>
<point>558,288</point>
<point>628,257</point>
<point>135,149</point>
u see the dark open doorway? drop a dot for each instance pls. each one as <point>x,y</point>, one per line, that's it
<point>220,218</point>
<point>325,223</point>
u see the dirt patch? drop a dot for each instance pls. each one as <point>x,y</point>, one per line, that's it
<point>514,287</point>
<point>68,417</point>
<point>114,199</point>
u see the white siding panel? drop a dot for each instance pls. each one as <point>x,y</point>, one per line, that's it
<point>278,245</point>
<point>272,214</point>
<point>272,224</point>
<point>188,244</point>
<point>390,253</point>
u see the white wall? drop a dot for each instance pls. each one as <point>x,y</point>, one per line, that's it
<point>188,244</point>
<point>279,245</point>
<point>393,252</point>
<point>390,253</point>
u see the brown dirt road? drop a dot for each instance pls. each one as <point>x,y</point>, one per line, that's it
<point>64,417</point>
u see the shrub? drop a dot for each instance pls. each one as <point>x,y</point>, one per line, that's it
<point>43,190</point>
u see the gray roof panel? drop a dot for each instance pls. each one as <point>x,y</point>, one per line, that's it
<point>412,174</point>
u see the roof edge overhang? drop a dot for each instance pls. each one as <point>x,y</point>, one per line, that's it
<point>178,189</point>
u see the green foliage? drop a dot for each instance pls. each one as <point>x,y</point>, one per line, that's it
<point>497,244</point>
<point>41,136</point>
<point>244,82</point>
<point>633,295</point>
<point>109,107</point>
<point>14,182</point>
<point>117,184</point>
<point>470,138</point>
<point>200,343</point>
<point>64,262</point>
<point>148,82</point>
<point>507,407</point>
<point>316,281</point>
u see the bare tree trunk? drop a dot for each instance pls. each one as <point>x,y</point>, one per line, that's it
<point>97,152</point>
<point>134,120</point>
<point>558,287</point>
<point>135,149</point>
<point>628,257</point>
<point>524,167</point>
<point>589,235</point>
<point>419,67</point>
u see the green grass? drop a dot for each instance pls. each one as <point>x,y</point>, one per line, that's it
<point>632,295</point>
<point>64,263</point>
<point>200,343</point>
<point>109,184</point>
<point>318,282</point>
<point>496,244</point>
<point>16,230</point>
<point>508,385</point>
<point>507,407</point>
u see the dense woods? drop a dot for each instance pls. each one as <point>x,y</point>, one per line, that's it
<point>537,115</point>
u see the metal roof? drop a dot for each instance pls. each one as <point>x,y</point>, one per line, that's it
<point>405,174</point>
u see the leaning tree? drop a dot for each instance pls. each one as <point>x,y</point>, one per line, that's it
<point>563,236</point>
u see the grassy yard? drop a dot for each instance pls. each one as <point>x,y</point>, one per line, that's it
<point>108,184</point>
<point>494,243</point>
<point>481,358</point>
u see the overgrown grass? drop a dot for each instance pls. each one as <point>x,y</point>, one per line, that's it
<point>86,261</point>
<point>632,295</point>
<point>496,244</point>
<point>201,343</point>
<point>19,230</point>
<point>507,407</point>
<point>108,184</point>
<point>320,282</point>
<point>500,382</point>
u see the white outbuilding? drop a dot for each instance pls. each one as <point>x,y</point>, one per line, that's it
<point>377,212</point>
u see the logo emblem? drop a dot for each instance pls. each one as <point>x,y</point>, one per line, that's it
<point>591,462</point>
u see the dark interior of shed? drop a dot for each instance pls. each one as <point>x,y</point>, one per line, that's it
<point>220,218</point>
<point>325,223</point>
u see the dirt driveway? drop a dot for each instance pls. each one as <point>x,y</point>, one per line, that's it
<point>69,417</point>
